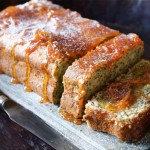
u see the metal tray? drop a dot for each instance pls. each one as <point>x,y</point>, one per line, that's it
<point>78,135</point>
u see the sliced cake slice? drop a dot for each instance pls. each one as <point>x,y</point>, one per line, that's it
<point>39,40</point>
<point>123,108</point>
<point>93,71</point>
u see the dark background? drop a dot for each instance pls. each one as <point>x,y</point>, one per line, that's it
<point>124,15</point>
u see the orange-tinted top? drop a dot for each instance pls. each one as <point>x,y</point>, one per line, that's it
<point>108,53</point>
<point>65,32</point>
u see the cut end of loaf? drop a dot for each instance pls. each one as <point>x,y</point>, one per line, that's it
<point>80,83</point>
<point>127,123</point>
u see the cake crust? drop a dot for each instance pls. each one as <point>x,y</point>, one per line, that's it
<point>128,120</point>
<point>47,38</point>
<point>94,70</point>
<point>131,131</point>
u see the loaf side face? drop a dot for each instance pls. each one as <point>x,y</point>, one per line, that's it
<point>47,38</point>
<point>125,110</point>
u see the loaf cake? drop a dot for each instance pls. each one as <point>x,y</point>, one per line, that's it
<point>89,74</point>
<point>123,108</point>
<point>39,40</point>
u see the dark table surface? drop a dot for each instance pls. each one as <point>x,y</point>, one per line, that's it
<point>14,137</point>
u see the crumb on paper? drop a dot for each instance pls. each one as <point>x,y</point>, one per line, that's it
<point>51,110</point>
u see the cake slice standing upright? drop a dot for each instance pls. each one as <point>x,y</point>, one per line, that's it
<point>123,108</point>
<point>93,71</point>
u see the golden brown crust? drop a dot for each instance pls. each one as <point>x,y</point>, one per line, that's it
<point>81,71</point>
<point>103,56</point>
<point>125,131</point>
<point>123,107</point>
<point>6,61</point>
<point>67,34</point>
<point>36,76</point>
<point>40,34</point>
